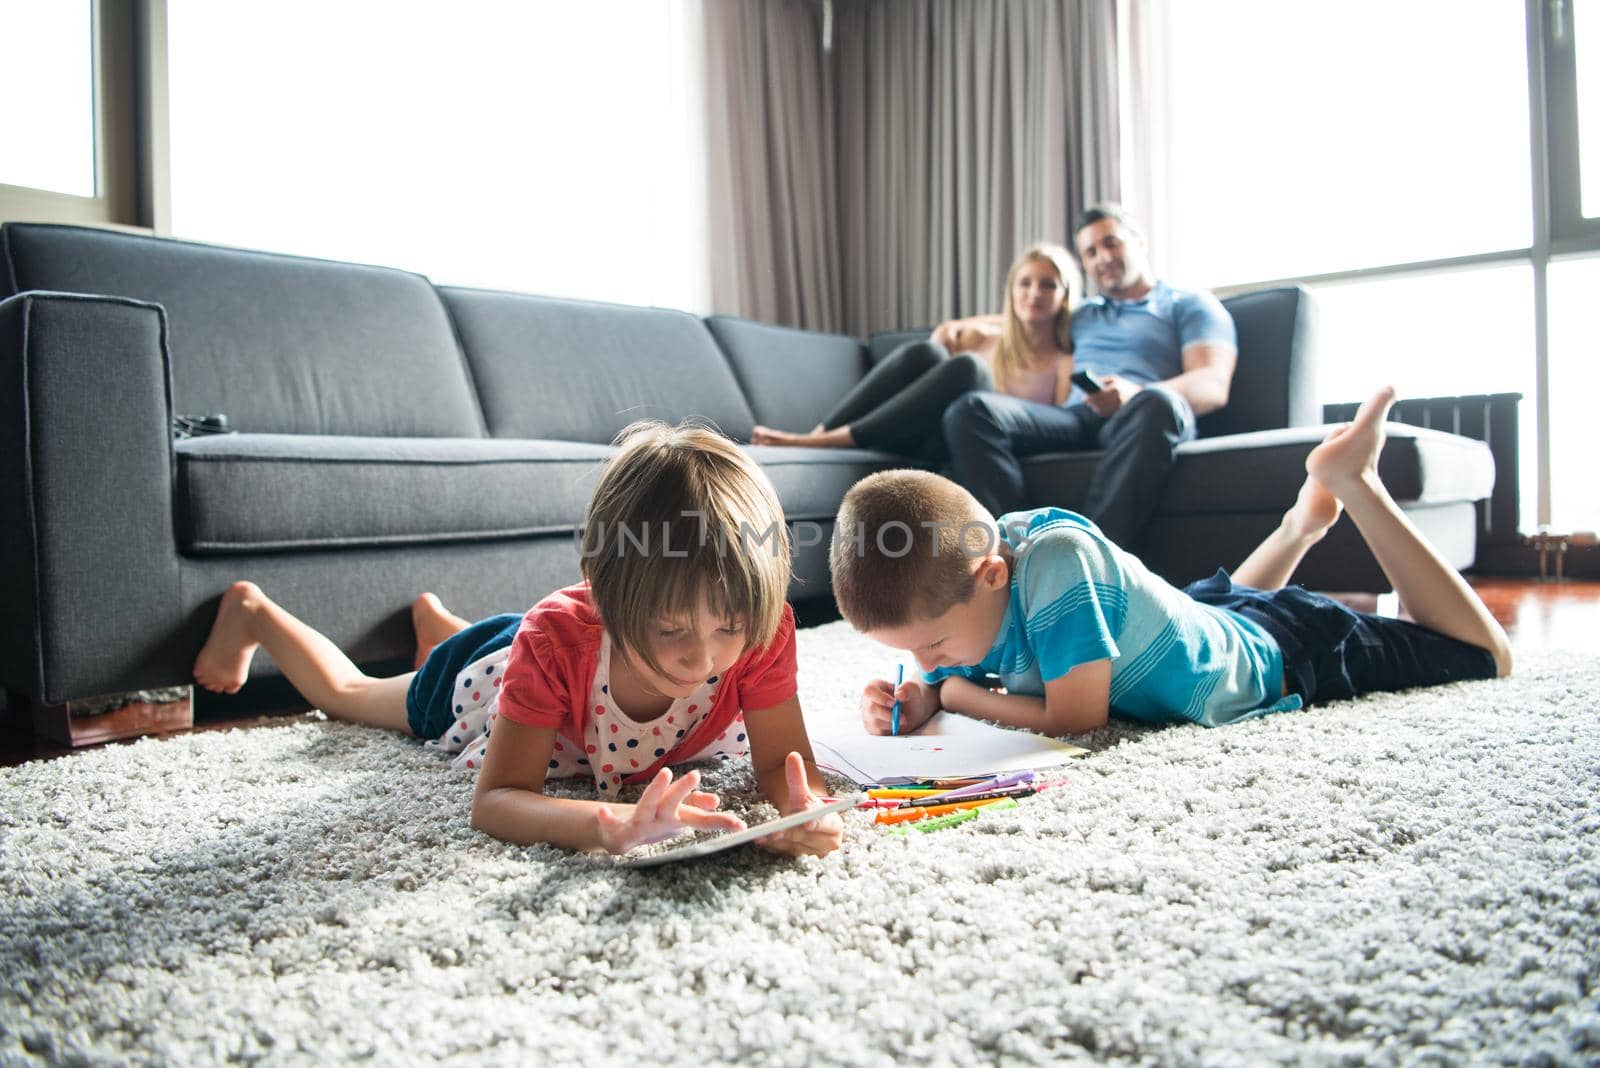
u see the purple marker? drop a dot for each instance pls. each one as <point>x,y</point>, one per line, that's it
<point>1016,779</point>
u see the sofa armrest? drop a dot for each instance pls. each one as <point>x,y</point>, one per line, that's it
<point>88,557</point>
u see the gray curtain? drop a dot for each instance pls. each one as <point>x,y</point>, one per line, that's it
<point>968,129</point>
<point>772,215</point>
<point>889,181</point>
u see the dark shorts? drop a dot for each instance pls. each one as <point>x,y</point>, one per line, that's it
<point>1332,652</point>
<point>430,700</point>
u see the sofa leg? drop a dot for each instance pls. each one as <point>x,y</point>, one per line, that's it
<point>105,719</point>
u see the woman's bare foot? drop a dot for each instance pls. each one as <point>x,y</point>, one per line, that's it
<point>765,435</point>
<point>1350,454</point>
<point>838,438</point>
<point>224,660</point>
<point>433,623</point>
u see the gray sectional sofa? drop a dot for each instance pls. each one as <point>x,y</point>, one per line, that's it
<point>394,436</point>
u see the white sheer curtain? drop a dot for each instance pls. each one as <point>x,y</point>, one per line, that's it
<point>549,147</point>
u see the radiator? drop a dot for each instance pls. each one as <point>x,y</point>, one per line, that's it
<point>1487,417</point>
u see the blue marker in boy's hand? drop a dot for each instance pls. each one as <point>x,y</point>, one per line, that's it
<point>894,713</point>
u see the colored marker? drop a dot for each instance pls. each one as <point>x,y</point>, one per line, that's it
<point>894,713</point>
<point>941,822</point>
<point>932,785</point>
<point>1016,779</point>
<point>938,824</point>
<point>906,815</point>
<point>1019,790</point>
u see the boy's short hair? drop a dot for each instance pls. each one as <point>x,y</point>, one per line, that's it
<point>681,511</point>
<point>905,546</point>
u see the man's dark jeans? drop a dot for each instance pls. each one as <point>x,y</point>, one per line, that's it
<point>989,434</point>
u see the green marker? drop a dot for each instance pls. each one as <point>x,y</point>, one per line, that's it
<point>939,823</point>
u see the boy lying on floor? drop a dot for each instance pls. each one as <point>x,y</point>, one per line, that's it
<point>1075,628</point>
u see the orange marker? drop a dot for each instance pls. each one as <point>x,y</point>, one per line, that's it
<point>907,815</point>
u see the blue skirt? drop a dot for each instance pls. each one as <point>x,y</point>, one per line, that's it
<point>430,700</point>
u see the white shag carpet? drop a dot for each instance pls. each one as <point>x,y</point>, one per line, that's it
<point>1409,878</point>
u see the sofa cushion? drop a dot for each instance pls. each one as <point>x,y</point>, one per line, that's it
<point>812,482</point>
<point>1261,472</point>
<point>577,370</point>
<point>792,377</point>
<point>249,492</point>
<point>281,344</point>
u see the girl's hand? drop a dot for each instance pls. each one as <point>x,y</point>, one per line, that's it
<point>819,837</point>
<point>918,703</point>
<point>664,809</point>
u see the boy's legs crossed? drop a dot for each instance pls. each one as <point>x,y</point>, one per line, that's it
<point>325,677</point>
<point>1433,592</point>
<point>1332,652</point>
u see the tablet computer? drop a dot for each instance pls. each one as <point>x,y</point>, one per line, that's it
<point>704,847</point>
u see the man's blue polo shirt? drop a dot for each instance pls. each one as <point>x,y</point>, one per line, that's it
<point>1143,340</point>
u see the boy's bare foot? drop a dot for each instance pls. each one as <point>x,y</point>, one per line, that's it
<point>224,660</point>
<point>1315,510</point>
<point>433,623</point>
<point>1350,454</point>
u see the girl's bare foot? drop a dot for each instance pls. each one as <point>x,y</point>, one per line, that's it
<point>224,660</point>
<point>433,623</point>
<point>1350,453</point>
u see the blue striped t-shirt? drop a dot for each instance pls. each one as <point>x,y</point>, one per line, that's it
<point>1076,598</point>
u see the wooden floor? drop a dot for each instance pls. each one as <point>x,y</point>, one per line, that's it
<point>1537,615</point>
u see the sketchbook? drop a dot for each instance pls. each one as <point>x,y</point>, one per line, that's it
<point>947,747</point>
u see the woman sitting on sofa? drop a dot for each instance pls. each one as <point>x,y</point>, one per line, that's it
<point>897,407</point>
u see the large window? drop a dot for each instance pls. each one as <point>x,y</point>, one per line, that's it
<point>1415,331</point>
<point>49,143</point>
<point>546,147</point>
<point>1386,155</point>
<point>75,81</point>
<point>1311,137</point>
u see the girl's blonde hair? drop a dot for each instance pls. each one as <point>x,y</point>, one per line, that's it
<point>682,514</point>
<point>1013,356</point>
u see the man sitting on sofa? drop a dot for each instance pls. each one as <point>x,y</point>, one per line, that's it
<point>1160,357</point>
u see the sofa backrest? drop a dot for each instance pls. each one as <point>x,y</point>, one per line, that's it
<point>578,370</point>
<point>791,377</point>
<point>1274,384</point>
<point>280,344</point>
